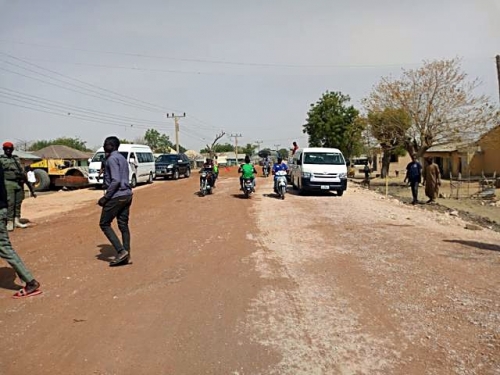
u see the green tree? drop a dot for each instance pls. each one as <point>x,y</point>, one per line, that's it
<point>125,141</point>
<point>389,128</point>
<point>224,147</point>
<point>249,149</point>
<point>157,141</point>
<point>330,121</point>
<point>75,143</point>
<point>353,138</point>
<point>283,153</point>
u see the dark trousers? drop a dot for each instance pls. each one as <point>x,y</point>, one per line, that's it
<point>414,190</point>
<point>118,208</point>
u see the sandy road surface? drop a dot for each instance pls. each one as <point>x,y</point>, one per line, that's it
<point>222,285</point>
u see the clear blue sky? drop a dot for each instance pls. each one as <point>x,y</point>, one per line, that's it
<point>249,67</point>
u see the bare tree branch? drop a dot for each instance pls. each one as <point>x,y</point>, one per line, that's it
<point>442,103</point>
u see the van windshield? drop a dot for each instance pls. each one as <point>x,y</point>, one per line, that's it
<point>99,156</point>
<point>329,158</point>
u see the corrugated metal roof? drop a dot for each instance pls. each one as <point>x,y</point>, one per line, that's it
<point>62,152</point>
<point>447,147</point>
<point>26,155</point>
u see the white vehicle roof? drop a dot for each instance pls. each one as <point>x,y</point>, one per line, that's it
<point>129,147</point>
<point>319,149</point>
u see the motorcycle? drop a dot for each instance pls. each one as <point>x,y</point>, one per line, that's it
<point>247,187</point>
<point>265,171</point>
<point>205,187</point>
<point>280,184</point>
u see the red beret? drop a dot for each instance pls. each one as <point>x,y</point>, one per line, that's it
<point>8,145</point>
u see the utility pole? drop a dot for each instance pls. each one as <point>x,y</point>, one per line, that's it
<point>176,122</point>
<point>236,136</point>
<point>498,73</point>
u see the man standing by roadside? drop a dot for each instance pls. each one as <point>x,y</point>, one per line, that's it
<point>9,254</point>
<point>432,181</point>
<point>15,178</point>
<point>414,177</point>
<point>116,201</point>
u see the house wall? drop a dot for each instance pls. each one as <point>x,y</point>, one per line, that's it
<point>447,161</point>
<point>489,159</point>
<point>400,165</point>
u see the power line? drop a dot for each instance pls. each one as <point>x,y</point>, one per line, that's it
<point>83,82</point>
<point>79,117</point>
<point>67,107</point>
<point>219,62</point>
<point>142,105</point>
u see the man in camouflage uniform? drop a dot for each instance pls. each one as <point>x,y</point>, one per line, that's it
<point>9,254</point>
<point>15,178</point>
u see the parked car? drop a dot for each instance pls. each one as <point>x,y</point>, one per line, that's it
<point>172,166</point>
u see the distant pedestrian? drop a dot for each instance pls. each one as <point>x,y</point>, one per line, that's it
<point>367,172</point>
<point>116,201</point>
<point>414,177</point>
<point>432,181</point>
<point>30,174</point>
<point>294,148</point>
<point>9,254</point>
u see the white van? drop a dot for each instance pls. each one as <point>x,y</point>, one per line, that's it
<point>140,160</point>
<point>320,169</point>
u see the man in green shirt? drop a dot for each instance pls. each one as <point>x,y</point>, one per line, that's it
<point>247,171</point>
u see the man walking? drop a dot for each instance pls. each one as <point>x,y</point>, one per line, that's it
<point>116,201</point>
<point>15,178</point>
<point>432,181</point>
<point>9,254</point>
<point>414,177</point>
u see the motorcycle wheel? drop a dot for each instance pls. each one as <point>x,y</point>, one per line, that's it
<point>203,192</point>
<point>283,192</point>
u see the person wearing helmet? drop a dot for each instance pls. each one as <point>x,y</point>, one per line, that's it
<point>247,171</point>
<point>15,178</point>
<point>279,166</point>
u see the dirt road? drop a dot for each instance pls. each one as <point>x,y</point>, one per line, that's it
<point>223,285</point>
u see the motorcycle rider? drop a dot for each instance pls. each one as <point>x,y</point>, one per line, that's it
<point>279,166</point>
<point>247,171</point>
<point>265,165</point>
<point>208,167</point>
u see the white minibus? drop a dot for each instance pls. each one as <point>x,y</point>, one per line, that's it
<point>140,160</point>
<point>319,169</point>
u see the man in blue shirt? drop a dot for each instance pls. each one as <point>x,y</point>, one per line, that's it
<point>279,166</point>
<point>414,177</point>
<point>116,201</point>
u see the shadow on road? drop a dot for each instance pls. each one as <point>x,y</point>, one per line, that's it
<point>107,254</point>
<point>478,245</point>
<point>8,278</point>
<point>271,195</point>
<point>239,196</point>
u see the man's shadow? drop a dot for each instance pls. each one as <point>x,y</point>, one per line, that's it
<point>107,253</point>
<point>8,279</point>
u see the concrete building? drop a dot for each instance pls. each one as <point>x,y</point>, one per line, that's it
<point>474,159</point>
